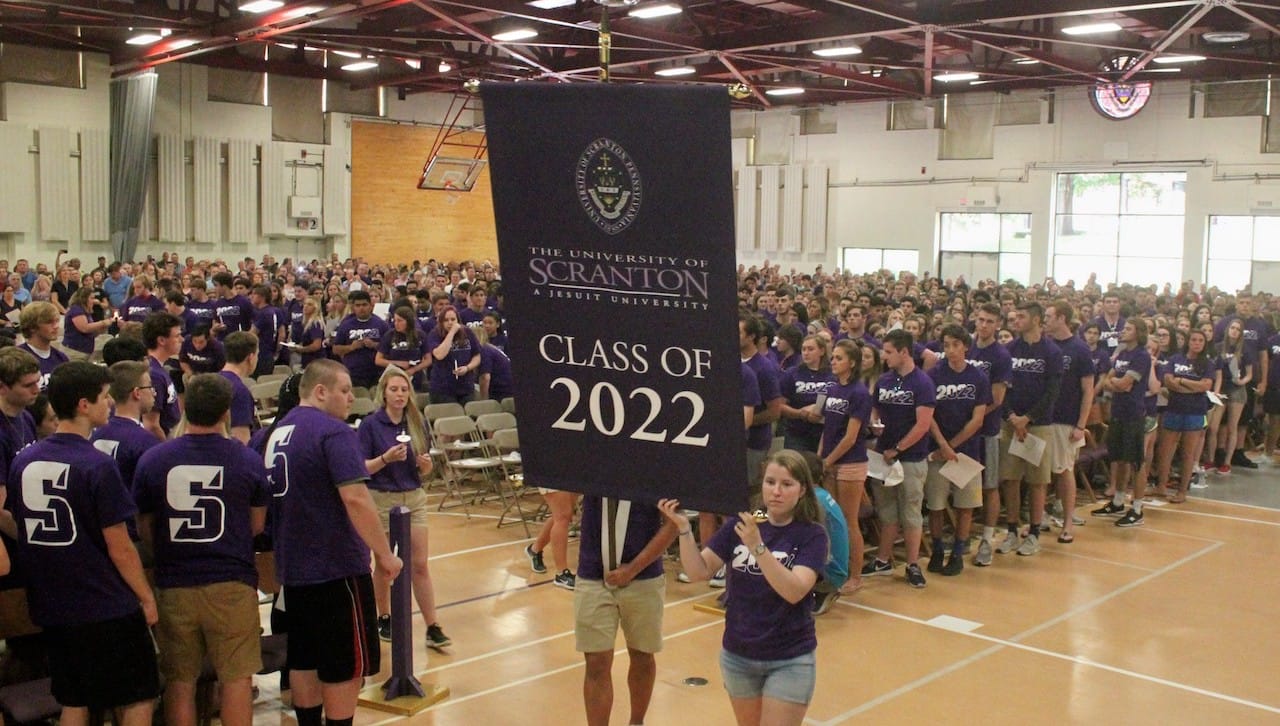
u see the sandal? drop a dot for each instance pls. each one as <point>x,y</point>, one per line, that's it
<point>1177,498</point>
<point>1066,538</point>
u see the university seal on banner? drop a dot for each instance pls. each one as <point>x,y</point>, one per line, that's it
<point>608,184</point>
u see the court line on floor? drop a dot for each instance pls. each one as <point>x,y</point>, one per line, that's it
<point>561,669</point>
<point>1015,643</point>
<point>1244,520</point>
<point>1197,497</point>
<point>481,548</point>
<point>1064,553</point>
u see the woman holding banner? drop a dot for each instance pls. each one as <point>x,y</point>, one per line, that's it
<point>767,659</point>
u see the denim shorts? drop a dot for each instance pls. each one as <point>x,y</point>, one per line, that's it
<point>791,680</point>
<point>1183,422</point>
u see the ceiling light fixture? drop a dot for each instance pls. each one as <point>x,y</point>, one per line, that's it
<point>838,51</point>
<point>1225,36</point>
<point>444,66</point>
<point>1091,29</point>
<point>552,4</point>
<point>959,76</point>
<point>655,11</point>
<point>348,53</point>
<point>516,34</point>
<point>1026,61</point>
<point>260,6</point>
<point>363,65</point>
<point>676,71</point>
<point>1183,58</point>
<point>413,63</point>
<point>145,39</point>
<point>789,91</point>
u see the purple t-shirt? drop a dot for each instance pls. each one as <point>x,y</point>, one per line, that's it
<point>308,457</point>
<point>1192,404</point>
<point>267,322</point>
<point>846,403</point>
<point>1034,367</point>
<point>897,398</point>
<point>71,336</point>
<point>750,390</point>
<point>69,492</point>
<point>1225,363</point>
<point>235,312</point>
<point>442,380</point>
<point>242,407</point>
<point>312,333</point>
<point>1109,335</point>
<point>209,360</point>
<point>760,436</point>
<point>361,361</point>
<point>397,348</point>
<point>189,321</point>
<point>1101,359</point>
<point>377,434</point>
<point>137,308</point>
<point>995,362</point>
<point>16,434</point>
<point>125,441</point>
<point>1077,363</point>
<point>293,311</point>
<point>801,386</point>
<point>1129,406</point>
<point>200,487</point>
<point>48,362</point>
<point>956,394</point>
<point>204,312</point>
<point>166,395</point>
<point>636,522</point>
<point>496,363</point>
<point>1273,367</point>
<point>759,624</point>
<point>471,318</point>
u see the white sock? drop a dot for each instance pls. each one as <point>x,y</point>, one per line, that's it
<point>988,534</point>
<point>1137,505</point>
<point>1118,499</point>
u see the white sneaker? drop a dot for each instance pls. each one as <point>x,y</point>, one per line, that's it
<point>1029,546</point>
<point>717,580</point>
<point>1009,544</point>
<point>683,577</point>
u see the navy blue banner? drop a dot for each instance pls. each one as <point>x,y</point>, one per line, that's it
<point>614,210</point>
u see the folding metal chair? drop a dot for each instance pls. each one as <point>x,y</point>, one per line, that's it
<point>476,409</point>
<point>466,455</point>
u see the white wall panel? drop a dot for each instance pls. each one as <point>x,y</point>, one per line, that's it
<point>815,209</point>
<point>58,214</point>
<point>274,191</point>
<point>792,207</point>
<point>18,180</point>
<point>207,186</point>
<point>95,185</point>
<point>242,191</point>
<point>770,199</point>
<point>337,190</point>
<point>745,214</point>
<point>173,188</point>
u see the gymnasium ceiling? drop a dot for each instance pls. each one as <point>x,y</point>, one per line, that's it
<point>435,45</point>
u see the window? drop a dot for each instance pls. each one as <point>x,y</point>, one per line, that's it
<point>1235,244</point>
<point>862,260</point>
<point>1121,227</point>
<point>985,246</point>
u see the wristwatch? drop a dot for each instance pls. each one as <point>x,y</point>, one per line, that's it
<point>760,549</point>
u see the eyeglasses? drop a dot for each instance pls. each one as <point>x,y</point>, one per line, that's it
<point>143,388</point>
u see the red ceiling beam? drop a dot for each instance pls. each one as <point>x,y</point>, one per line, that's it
<point>1177,31</point>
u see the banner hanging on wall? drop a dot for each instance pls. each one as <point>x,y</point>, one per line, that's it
<point>614,214</point>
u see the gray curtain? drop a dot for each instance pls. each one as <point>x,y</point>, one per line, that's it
<point>133,103</point>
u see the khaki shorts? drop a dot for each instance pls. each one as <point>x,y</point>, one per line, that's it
<point>1013,468</point>
<point>1059,450</point>
<point>991,462</point>
<point>937,487</point>
<point>415,500</point>
<point>901,503</point>
<point>220,619</point>
<point>599,610</point>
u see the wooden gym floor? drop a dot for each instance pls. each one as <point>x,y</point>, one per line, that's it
<point>1173,622</point>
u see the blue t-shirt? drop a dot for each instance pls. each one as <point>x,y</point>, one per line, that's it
<point>65,494</point>
<point>362,362</point>
<point>995,362</point>
<point>897,398</point>
<point>1192,404</point>
<point>635,522</point>
<point>801,386</point>
<point>1035,366</point>
<point>308,456</point>
<point>956,394</point>
<point>836,572</point>
<point>760,437</point>
<point>1077,364</point>
<point>116,291</point>
<point>201,487</point>
<point>1129,406</point>
<point>377,434</point>
<point>846,403</point>
<point>758,623</point>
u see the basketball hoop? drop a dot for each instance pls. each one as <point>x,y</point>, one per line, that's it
<point>451,191</point>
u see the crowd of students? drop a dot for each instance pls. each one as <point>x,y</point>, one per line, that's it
<point>888,391</point>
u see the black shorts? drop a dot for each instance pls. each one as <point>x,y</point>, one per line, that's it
<point>1125,441</point>
<point>105,664</point>
<point>333,629</point>
<point>1271,401</point>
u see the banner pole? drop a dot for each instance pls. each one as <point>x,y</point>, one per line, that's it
<point>605,42</point>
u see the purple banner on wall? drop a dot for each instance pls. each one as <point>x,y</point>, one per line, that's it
<point>614,210</point>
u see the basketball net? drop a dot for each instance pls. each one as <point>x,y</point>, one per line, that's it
<point>451,192</point>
